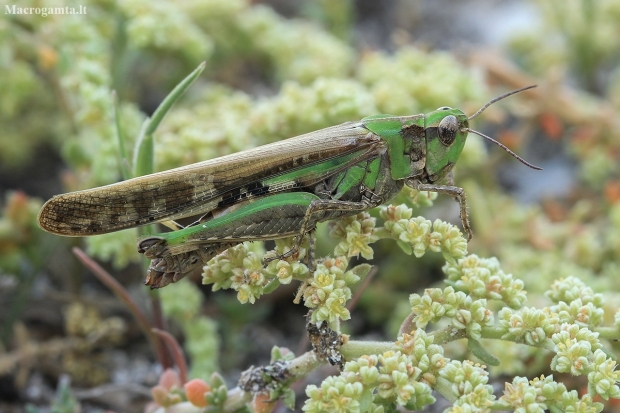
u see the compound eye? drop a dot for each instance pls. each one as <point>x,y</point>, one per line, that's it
<point>444,108</point>
<point>448,128</point>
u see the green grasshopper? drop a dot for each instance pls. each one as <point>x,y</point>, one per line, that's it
<point>274,191</point>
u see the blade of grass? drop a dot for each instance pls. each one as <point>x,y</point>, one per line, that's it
<point>143,160</point>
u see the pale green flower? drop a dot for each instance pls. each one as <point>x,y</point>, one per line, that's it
<point>576,312</point>
<point>570,289</point>
<point>328,290</point>
<point>604,376</point>
<point>356,233</point>
<point>531,325</point>
<point>483,278</point>
<point>334,395</point>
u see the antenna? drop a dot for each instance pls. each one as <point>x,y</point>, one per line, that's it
<point>492,101</point>
<point>504,147</point>
<point>501,145</point>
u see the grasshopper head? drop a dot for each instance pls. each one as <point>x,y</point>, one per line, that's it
<point>446,132</point>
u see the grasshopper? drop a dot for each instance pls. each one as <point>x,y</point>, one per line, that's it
<point>274,191</point>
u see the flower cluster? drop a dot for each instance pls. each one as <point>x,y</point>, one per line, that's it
<point>403,377</point>
<point>542,394</point>
<point>400,381</point>
<point>236,268</point>
<point>417,235</point>
<point>604,376</point>
<point>483,278</point>
<point>579,352</point>
<point>216,125</point>
<point>420,199</point>
<point>570,289</point>
<point>468,382</point>
<point>329,289</point>
<point>241,269</point>
<point>400,83</point>
<point>163,26</point>
<point>375,382</point>
<point>355,233</point>
<point>530,325</point>
<point>287,269</point>
<point>299,109</point>
<point>577,312</point>
<point>335,395</point>
<point>463,312</point>
<point>307,53</point>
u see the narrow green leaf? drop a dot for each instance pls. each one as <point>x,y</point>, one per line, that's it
<point>477,350</point>
<point>144,154</point>
<point>608,353</point>
<point>271,287</point>
<point>276,354</point>
<point>144,157</point>
<point>365,400</point>
<point>405,247</point>
<point>361,270</point>
<point>170,100</point>
<point>288,398</point>
<point>216,380</point>
<point>64,401</point>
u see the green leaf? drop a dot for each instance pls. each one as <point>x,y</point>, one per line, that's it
<point>361,270</point>
<point>288,398</point>
<point>404,246</point>
<point>144,153</point>
<point>365,400</point>
<point>171,99</point>
<point>477,350</point>
<point>64,401</point>
<point>216,380</point>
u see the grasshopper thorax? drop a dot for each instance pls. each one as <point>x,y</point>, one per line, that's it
<point>445,132</point>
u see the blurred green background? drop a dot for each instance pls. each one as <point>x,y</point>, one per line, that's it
<point>276,69</point>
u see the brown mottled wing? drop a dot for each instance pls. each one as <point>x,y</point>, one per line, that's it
<point>196,189</point>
